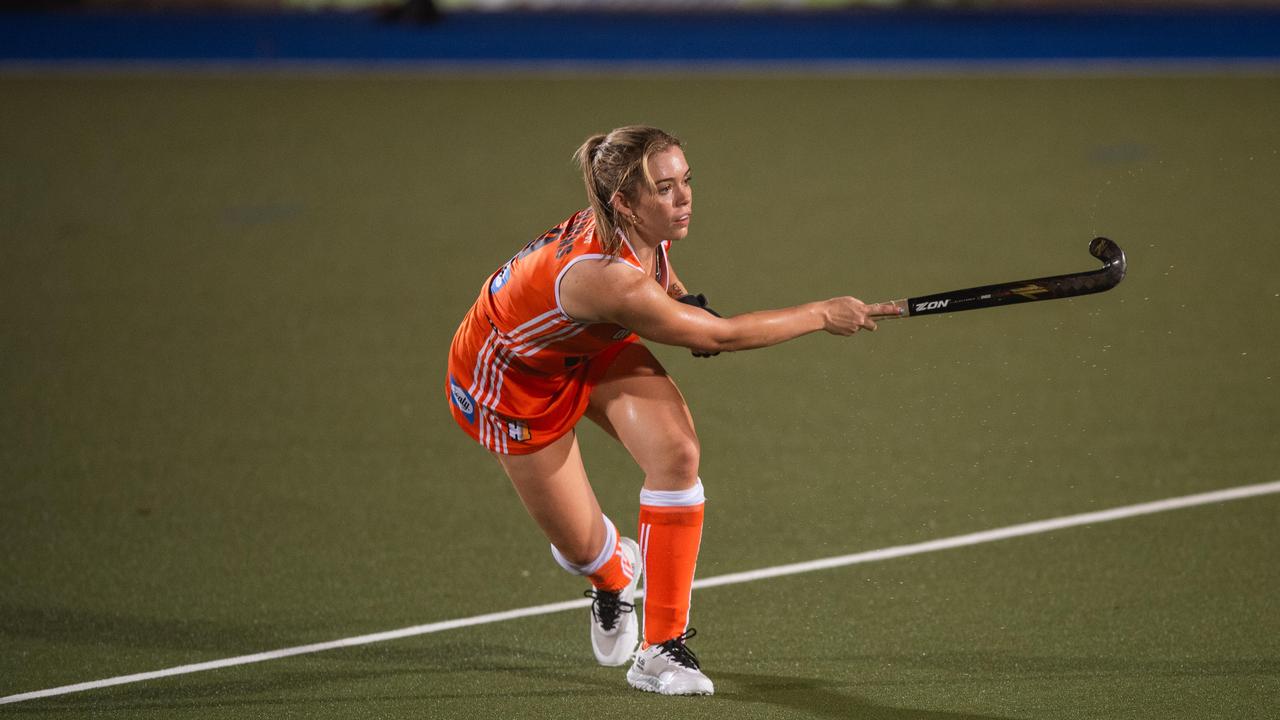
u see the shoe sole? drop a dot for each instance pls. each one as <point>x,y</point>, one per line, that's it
<point>651,684</point>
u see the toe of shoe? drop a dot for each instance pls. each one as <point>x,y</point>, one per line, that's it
<point>617,649</point>
<point>617,658</point>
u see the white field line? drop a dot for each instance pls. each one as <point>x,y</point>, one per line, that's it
<point>977,538</point>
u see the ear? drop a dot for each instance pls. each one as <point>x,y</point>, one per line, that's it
<point>621,205</point>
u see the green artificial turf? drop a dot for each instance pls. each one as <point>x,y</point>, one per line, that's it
<point>225,303</point>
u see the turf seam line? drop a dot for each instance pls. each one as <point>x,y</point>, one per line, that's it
<point>956,541</point>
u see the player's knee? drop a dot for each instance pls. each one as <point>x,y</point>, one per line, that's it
<point>680,462</point>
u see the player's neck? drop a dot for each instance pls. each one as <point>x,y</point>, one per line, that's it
<point>643,246</point>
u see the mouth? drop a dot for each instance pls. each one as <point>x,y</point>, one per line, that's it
<point>683,220</point>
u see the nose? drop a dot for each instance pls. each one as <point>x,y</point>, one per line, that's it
<point>684,195</point>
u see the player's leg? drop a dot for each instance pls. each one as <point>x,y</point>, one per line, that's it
<point>638,403</point>
<point>552,484</point>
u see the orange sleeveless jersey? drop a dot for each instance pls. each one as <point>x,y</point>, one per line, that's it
<point>520,369</point>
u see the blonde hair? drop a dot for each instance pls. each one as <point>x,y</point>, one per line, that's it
<point>609,165</point>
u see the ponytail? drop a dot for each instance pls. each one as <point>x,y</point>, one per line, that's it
<point>597,196</point>
<point>609,165</point>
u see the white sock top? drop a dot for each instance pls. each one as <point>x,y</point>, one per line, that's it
<point>606,552</point>
<point>674,498</point>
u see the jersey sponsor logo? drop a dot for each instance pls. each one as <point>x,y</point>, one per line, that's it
<point>462,399</point>
<point>500,279</point>
<point>621,334</point>
<point>932,305</point>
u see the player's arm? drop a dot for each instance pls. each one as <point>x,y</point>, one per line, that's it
<point>614,292</point>
<point>676,289</point>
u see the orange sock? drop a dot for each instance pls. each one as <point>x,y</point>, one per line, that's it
<point>670,535</point>
<point>610,570</point>
<point>616,573</point>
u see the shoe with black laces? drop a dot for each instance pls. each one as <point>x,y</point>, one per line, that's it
<point>614,629</point>
<point>670,668</point>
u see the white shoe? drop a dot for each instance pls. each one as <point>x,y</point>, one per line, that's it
<point>615,632</point>
<point>670,668</point>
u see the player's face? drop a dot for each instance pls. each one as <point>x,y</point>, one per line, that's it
<point>665,211</point>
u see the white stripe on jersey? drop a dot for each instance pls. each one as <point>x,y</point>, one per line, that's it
<point>481,371</point>
<point>553,328</point>
<point>484,349</point>
<point>534,346</point>
<point>504,362</point>
<point>491,365</point>
<point>549,325</point>
<point>517,334</point>
<point>491,393</point>
<point>486,389</point>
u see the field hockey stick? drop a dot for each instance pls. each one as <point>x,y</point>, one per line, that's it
<point>1021,291</point>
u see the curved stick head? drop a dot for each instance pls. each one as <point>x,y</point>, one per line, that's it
<point>1111,255</point>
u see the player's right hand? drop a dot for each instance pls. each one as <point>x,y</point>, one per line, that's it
<point>847,315</point>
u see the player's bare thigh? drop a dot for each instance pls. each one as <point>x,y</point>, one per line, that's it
<point>639,404</point>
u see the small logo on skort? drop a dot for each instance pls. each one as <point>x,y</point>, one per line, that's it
<point>517,430</point>
<point>463,400</point>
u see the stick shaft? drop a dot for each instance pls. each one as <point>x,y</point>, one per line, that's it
<point>1054,287</point>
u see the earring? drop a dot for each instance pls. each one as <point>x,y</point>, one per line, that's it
<point>635,219</point>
